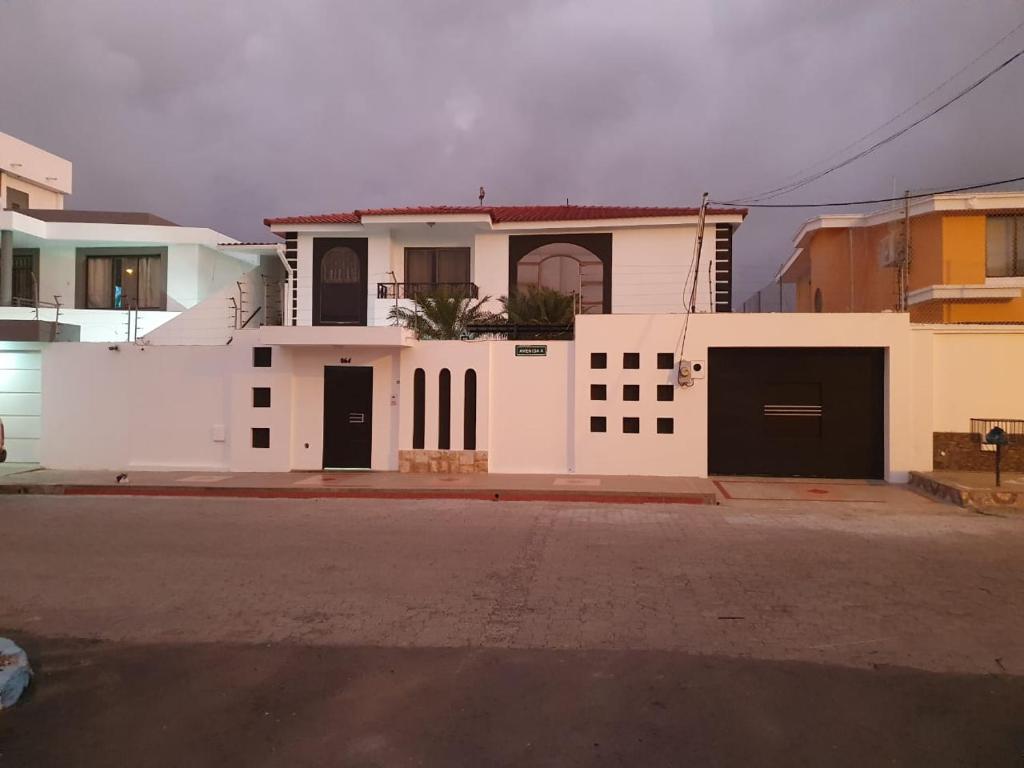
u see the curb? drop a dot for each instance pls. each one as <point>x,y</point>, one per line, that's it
<point>976,499</point>
<point>596,497</point>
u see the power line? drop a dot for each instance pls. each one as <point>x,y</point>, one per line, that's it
<point>846,203</point>
<point>889,122</point>
<point>882,142</point>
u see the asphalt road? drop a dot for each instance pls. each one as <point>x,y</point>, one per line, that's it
<point>169,632</point>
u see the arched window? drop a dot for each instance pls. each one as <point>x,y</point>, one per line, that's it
<point>340,266</point>
<point>419,408</point>
<point>444,410</point>
<point>567,268</point>
<point>339,281</point>
<point>469,413</point>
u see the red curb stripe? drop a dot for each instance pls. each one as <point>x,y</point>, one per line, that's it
<point>310,493</point>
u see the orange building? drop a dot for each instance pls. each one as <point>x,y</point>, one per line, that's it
<point>954,258</point>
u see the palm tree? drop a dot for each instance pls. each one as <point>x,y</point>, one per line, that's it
<point>441,314</point>
<point>537,305</point>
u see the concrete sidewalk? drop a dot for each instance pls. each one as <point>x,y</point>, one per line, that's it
<point>358,484</point>
<point>973,490</point>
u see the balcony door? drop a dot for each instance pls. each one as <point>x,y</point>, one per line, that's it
<point>339,281</point>
<point>433,269</point>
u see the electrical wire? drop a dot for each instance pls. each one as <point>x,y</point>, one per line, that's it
<point>889,122</point>
<point>786,188</point>
<point>875,201</point>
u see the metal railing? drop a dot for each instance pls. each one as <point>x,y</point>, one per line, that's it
<point>982,427</point>
<point>411,290</point>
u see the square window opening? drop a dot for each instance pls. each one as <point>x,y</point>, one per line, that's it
<point>261,437</point>
<point>631,425</point>
<point>666,426</point>
<point>631,360</point>
<point>598,392</point>
<point>261,397</point>
<point>665,360</point>
<point>631,392</point>
<point>666,392</point>
<point>261,357</point>
<point>598,360</point>
<point>598,424</point>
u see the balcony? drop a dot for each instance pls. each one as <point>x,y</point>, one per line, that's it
<point>412,290</point>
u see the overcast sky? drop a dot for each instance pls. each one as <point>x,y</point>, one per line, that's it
<point>222,112</point>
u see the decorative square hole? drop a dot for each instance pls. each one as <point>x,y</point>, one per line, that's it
<point>261,397</point>
<point>598,424</point>
<point>261,437</point>
<point>630,359</point>
<point>631,425</point>
<point>261,357</point>
<point>598,360</point>
<point>666,392</point>
<point>630,391</point>
<point>666,426</point>
<point>665,360</point>
<point>598,392</point>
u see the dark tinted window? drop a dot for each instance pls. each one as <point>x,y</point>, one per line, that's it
<point>261,397</point>
<point>261,357</point>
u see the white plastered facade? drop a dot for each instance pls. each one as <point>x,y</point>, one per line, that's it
<point>191,407</point>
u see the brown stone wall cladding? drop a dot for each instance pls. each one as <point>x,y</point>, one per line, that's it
<point>443,462</point>
<point>962,450</point>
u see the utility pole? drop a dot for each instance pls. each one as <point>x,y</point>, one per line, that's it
<point>699,245</point>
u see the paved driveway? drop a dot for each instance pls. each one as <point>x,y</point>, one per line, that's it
<point>381,633</point>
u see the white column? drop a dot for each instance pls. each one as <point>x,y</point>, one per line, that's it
<point>6,267</point>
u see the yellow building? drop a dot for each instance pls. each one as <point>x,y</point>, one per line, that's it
<point>954,258</point>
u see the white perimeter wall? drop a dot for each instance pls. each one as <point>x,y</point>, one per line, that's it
<point>977,373</point>
<point>531,409</point>
<point>457,357</point>
<point>307,401</point>
<point>134,407</point>
<point>163,406</point>
<point>685,452</point>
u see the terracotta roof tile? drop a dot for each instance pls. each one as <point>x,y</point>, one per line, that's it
<point>501,214</point>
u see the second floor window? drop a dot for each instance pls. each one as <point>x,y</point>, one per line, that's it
<point>436,266</point>
<point>1004,247</point>
<point>123,282</point>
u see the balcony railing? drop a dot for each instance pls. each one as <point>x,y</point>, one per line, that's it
<point>412,290</point>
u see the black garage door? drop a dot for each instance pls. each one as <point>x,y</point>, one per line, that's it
<point>796,412</point>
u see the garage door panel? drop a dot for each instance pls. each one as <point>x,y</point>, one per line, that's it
<point>20,404</point>
<point>21,360</point>
<point>796,412</point>
<point>20,381</point>
<point>21,426</point>
<point>22,450</point>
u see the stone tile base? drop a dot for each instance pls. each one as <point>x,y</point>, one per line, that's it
<point>962,451</point>
<point>970,498</point>
<point>443,462</point>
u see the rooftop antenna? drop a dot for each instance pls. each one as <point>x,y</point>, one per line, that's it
<point>482,194</point>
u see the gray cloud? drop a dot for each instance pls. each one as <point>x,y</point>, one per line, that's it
<point>223,113</point>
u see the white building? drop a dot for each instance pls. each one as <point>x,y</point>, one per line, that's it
<point>615,259</point>
<point>103,276</point>
<point>335,386</point>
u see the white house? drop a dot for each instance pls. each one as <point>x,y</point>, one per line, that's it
<point>614,259</point>
<point>658,379</point>
<point>103,276</point>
